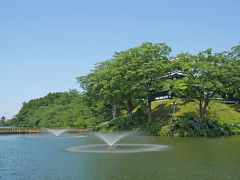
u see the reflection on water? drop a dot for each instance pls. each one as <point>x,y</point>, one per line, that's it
<point>25,158</point>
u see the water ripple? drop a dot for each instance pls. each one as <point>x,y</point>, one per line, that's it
<point>119,148</point>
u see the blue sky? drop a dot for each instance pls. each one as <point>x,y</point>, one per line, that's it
<point>46,44</point>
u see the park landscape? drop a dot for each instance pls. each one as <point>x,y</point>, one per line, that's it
<point>145,89</point>
<point>147,109</point>
<point>127,102</point>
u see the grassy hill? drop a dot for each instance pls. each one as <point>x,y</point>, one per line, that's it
<point>223,113</point>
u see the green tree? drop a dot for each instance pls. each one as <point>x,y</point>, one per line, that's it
<point>134,74</point>
<point>3,118</point>
<point>126,77</point>
<point>206,75</point>
<point>102,86</point>
<point>3,121</point>
<point>234,73</point>
<point>150,61</point>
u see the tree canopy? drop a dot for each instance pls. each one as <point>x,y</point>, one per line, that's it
<point>65,109</point>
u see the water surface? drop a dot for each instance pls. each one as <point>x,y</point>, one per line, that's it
<point>44,157</point>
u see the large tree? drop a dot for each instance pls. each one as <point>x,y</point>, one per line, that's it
<point>134,74</point>
<point>149,63</point>
<point>233,82</point>
<point>102,86</point>
<point>205,77</point>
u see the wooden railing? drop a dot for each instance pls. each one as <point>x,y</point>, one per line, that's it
<point>5,131</point>
<point>19,130</point>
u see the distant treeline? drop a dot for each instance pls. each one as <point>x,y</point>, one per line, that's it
<point>61,109</point>
<point>4,121</point>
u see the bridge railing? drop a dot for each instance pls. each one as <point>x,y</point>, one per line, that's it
<point>34,130</point>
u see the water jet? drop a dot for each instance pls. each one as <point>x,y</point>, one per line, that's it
<point>112,138</point>
<point>57,132</point>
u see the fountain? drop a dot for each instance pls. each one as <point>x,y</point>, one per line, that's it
<point>57,132</point>
<point>112,138</point>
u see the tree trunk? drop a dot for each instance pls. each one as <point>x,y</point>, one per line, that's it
<point>129,106</point>
<point>114,109</point>
<point>201,112</point>
<point>149,110</point>
<point>203,104</point>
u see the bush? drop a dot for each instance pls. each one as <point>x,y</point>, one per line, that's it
<point>234,128</point>
<point>187,128</point>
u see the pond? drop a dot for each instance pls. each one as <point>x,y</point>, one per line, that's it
<point>30,157</point>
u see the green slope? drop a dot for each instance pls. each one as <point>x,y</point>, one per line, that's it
<point>224,113</point>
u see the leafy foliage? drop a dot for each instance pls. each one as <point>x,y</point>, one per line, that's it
<point>205,77</point>
<point>65,109</point>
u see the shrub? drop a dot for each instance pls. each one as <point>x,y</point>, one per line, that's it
<point>186,128</point>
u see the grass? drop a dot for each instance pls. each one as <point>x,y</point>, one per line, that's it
<point>223,113</point>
